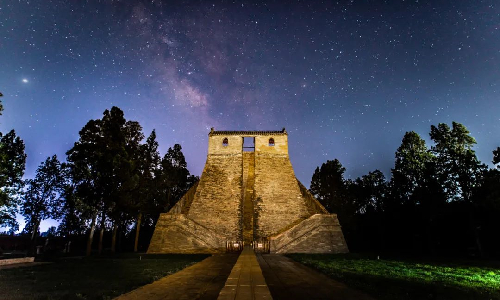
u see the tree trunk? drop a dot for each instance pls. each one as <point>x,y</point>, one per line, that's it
<point>478,243</point>
<point>473,226</point>
<point>101,233</point>
<point>476,235</point>
<point>138,228</point>
<point>91,234</point>
<point>34,236</point>
<point>113,239</point>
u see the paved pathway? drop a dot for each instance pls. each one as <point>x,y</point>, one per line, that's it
<point>247,277</point>
<point>203,280</point>
<point>288,279</point>
<point>246,281</point>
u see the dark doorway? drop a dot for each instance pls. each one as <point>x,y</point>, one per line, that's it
<point>249,144</point>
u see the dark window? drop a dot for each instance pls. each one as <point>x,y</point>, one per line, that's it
<point>271,142</point>
<point>225,142</point>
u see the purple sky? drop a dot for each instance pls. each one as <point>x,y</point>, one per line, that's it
<point>347,80</point>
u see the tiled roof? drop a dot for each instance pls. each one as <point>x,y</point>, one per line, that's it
<point>249,133</point>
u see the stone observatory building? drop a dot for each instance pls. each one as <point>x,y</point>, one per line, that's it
<point>248,194</point>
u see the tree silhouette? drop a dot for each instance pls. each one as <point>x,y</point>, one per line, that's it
<point>12,164</point>
<point>409,167</point>
<point>105,169</point>
<point>328,185</point>
<point>42,196</point>
<point>145,194</point>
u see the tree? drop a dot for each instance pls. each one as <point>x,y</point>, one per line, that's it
<point>429,205</point>
<point>372,189</point>
<point>104,163</point>
<point>496,156</point>
<point>328,185</point>
<point>161,189</point>
<point>174,175</point>
<point>41,199</point>
<point>148,166</point>
<point>73,212</point>
<point>457,165</point>
<point>487,198</point>
<point>1,105</point>
<point>12,164</point>
<point>367,196</point>
<point>409,167</point>
<point>458,169</point>
<point>86,159</point>
<point>123,150</point>
<point>51,232</point>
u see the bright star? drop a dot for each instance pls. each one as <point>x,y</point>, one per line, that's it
<point>25,80</point>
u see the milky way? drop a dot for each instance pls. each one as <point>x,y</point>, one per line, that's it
<point>346,79</point>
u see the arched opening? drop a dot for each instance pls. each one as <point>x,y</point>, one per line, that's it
<point>225,142</point>
<point>271,142</point>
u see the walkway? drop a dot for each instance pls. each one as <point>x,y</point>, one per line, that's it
<point>247,277</point>
<point>245,281</point>
<point>203,280</point>
<point>288,279</point>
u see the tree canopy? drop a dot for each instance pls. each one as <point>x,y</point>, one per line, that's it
<point>12,164</point>
<point>440,198</point>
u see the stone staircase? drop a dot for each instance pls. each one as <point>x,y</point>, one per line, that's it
<point>248,196</point>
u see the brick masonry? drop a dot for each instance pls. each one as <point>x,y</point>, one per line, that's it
<point>244,196</point>
<point>218,199</point>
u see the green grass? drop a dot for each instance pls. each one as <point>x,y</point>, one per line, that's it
<point>400,279</point>
<point>89,278</point>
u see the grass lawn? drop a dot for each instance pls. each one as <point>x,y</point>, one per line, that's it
<point>401,279</point>
<point>90,278</point>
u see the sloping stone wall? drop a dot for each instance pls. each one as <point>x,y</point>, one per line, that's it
<point>175,233</point>
<point>183,205</point>
<point>312,203</point>
<point>321,233</point>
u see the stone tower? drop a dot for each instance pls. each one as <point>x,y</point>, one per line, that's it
<point>245,194</point>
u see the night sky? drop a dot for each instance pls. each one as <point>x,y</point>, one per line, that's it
<point>346,79</point>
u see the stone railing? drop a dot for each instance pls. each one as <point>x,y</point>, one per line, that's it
<point>312,203</point>
<point>182,206</point>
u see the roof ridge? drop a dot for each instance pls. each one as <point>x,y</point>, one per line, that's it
<point>246,132</point>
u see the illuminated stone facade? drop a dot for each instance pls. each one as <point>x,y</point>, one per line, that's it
<point>245,195</point>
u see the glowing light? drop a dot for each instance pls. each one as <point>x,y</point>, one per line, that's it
<point>25,80</point>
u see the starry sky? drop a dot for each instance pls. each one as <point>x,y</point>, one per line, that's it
<point>346,79</point>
